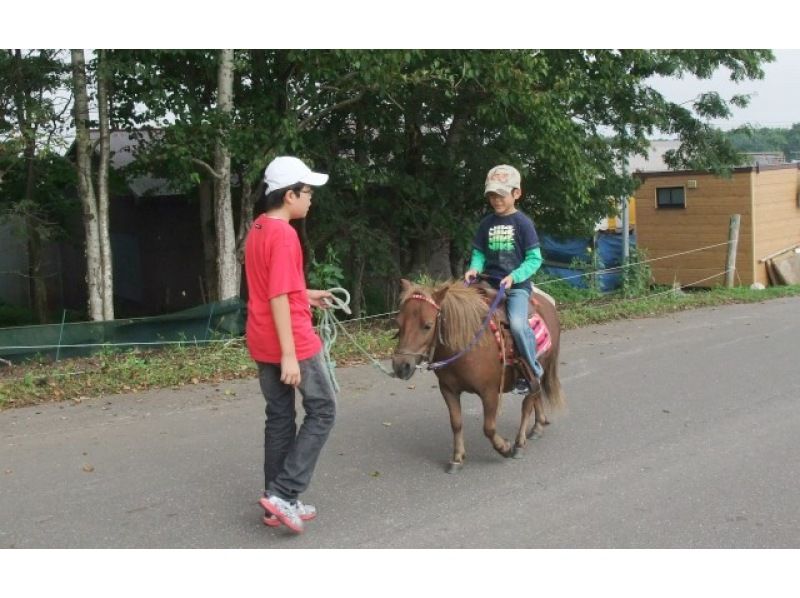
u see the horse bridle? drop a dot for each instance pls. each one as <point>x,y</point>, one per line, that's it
<point>440,364</point>
<point>426,357</point>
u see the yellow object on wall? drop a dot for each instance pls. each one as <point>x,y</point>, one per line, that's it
<point>615,222</point>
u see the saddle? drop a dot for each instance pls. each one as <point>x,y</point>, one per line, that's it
<point>500,327</point>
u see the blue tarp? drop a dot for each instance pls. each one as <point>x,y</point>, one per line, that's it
<point>608,247</point>
<point>565,250</point>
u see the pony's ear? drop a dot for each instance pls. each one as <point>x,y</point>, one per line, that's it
<point>438,294</point>
<point>405,285</point>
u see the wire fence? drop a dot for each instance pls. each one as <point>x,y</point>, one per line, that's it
<point>348,322</point>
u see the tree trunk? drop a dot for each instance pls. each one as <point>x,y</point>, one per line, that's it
<point>439,259</point>
<point>27,125</point>
<point>38,288</point>
<point>431,257</point>
<point>302,234</point>
<point>357,262</point>
<point>458,260</point>
<point>107,277</point>
<point>206,196</point>
<point>229,269</point>
<point>37,283</point>
<point>357,268</point>
<point>245,216</point>
<point>83,151</point>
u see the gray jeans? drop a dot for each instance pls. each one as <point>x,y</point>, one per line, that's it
<point>290,456</point>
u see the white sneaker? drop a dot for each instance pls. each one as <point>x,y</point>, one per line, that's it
<point>522,387</point>
<point>285,512</point>
<point>306,512</point>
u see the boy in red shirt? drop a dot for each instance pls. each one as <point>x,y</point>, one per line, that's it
<point>282,341</point>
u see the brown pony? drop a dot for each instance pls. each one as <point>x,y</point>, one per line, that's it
<point>437,324</point>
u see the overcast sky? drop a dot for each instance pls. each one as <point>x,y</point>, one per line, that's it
<point>775,99</point>
<point>423,24</point>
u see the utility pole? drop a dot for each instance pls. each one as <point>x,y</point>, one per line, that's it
<point>625,217</point>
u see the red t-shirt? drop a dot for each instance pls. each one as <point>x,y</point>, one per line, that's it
<point>273,261</point>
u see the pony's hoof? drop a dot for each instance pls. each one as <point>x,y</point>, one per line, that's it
<point>534,435</point>
<point>454,467</point>
<point>518,452</point>
<point>511,453</point>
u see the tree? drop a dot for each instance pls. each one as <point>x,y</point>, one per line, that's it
<point>280,96</point>
<point>84,147</point>
<point>103,109</point>
<point>409,135</point>
<point>31,133</point>
<point>764,139</point>
<point>228,267</point>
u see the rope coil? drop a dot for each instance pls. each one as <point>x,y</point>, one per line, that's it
<point>328,333</point>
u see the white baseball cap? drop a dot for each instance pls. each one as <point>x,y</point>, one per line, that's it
<point>285,171</point>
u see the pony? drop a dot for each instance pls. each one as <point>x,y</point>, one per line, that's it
<point>439,324</point>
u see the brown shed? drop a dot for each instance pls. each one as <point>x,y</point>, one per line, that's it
<point>678,212</point>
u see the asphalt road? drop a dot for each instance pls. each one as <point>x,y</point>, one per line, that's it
<point>681,432</point>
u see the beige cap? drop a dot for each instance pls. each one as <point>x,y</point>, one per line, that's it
<point>502,180</point>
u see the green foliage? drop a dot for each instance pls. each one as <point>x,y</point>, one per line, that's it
<point>326,274</point>
<point>426,280</point>
<point>134,371</point>
<point>764,139</point>
<point>15,316</point>
<point>408,135</point>
<point>590,273</point>
<point>35,179</point>
<point>637,274</point>
<point>561,290</point>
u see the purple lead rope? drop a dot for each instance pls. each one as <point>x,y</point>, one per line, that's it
<point>492,308</point>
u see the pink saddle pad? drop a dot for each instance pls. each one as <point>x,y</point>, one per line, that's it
<point>542,334</point>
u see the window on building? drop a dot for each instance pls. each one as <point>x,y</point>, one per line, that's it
<point>670,197</point>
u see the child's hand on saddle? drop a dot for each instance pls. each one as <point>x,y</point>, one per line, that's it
<point>469,275</point>
<point>507,282</point>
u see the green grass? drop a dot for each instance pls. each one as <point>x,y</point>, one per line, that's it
<point>131,371</point>
<point>135,371</point>
<point>659,302</point>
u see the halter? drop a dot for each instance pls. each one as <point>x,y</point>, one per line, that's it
<point>440,364</point>
<point>427,357</point>
<point>425,298</point>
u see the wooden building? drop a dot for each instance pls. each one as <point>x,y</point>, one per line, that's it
<point>680,212</point>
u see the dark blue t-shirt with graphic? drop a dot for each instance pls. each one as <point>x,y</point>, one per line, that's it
<point>504,240</point>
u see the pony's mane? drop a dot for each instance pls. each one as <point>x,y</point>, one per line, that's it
<point>463,312</point>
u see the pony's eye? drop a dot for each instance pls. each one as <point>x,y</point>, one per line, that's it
<point>427,326</point>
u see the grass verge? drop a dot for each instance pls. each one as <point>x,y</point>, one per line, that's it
<point>134,371</point>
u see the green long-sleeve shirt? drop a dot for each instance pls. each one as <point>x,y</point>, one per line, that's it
<point>529,266</point>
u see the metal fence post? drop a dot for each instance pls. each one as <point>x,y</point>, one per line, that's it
<point>61,333</point>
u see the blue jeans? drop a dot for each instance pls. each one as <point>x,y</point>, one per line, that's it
<point>517,308</point>
<point>291,456</point>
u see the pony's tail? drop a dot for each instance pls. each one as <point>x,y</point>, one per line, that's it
<point>552,385</point>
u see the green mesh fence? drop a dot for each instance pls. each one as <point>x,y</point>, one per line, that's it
<point>198,325</point>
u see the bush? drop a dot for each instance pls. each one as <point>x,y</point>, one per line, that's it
<point>637,276</point>
<point>11,315</point>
